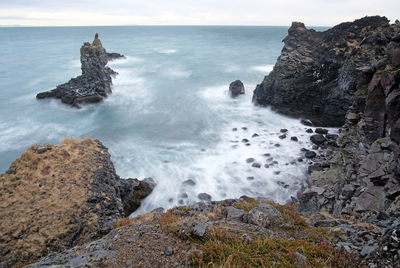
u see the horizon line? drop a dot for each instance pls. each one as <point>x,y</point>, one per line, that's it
<point>159,25</point>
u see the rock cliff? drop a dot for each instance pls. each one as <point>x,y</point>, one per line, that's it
<point>318,73</point>
<point>95,82</point>
<point>57,196</point>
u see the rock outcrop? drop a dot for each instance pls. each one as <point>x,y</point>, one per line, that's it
<point>236,88</point>
<point>95,82</point>
<point>57,196</point>
<point>244,233</point>
<point>325,70</point>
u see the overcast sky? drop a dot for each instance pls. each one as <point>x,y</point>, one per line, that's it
<point>191,12</point>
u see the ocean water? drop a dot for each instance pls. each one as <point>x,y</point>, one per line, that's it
<point>169,117</point>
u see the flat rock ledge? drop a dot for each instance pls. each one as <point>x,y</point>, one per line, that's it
<point>55,197</point>
<point>95,82</point>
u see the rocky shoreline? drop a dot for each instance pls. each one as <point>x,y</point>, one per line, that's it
<point>95,82</point>
<point>349,204</point>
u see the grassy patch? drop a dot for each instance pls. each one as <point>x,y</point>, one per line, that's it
<point>225,250</point>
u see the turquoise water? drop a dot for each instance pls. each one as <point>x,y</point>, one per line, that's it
<point>169,117</point>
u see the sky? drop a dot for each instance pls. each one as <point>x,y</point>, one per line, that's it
<point>191,12</point>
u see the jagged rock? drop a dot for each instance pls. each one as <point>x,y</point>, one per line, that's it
<point>321,131</point>
<point>236,88</point>
<point>133,191</point>
<point>310,154</point>
<point>71,195</point>
<point>324,69</point>
<point>95,82</point>
<point>264,215</point>
<point>204,196</point>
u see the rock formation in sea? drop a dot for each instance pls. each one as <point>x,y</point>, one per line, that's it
<point>318,74</point>
<point>57,196</point>
<point>350,77</point>
<point>95,82</point>
<point>236,88</point>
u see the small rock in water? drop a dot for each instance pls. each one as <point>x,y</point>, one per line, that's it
<point>294,138</point>
<point>189,183</point>
<point>204,197</point>
<point>306,122</point>
<point>250,178</point>
<point>234,129</point>
<point>277,172</point>
<point>244,128</point>
<point>321,130</point>
<point>317,139</point>
<point>266,166</point>
<point>250,160</point>
<point>236,88</point>
<point>170,200</point>
<point>256,165</point>
<point>310,154</point>
<point>284,130</point>
<point>255,135</point>
<point>300,159</point>
<point>309,130</point>
<point>282,136</point>
<point>267,154</point>
<point>184,195</point>
<point>277,145</point>
<point>245,140</point>
<point>248,144</point>
<point>315,147</point>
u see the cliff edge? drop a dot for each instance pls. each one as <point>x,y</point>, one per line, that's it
<point>57,196</point>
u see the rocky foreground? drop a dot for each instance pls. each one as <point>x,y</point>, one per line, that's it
<point>57,196</point>
<point>95,82</point>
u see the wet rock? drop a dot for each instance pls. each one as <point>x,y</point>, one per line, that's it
<point>234,129</point>
<point>277,145</point>
<point>244,128</point>
<point>264,215</point>
<point>245,140</point>
<point>321,131</point>
<point>250,160</point>
<point>189,182</point>
<point>204,197</point>
<point>282,136</point>
<point>236,88</point>
<point>310,154</point>
<point>306,122</point>
<point>314,167</point>
<point>256,165</point>
<point>283,130</point>
<point>250,178</point>
<point>318,139</point>
<point>309,130</point>
<point>294,138</point>
<point>254,135</point>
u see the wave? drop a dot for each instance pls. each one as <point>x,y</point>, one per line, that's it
<point>167,51</point>
<point>266,69</point>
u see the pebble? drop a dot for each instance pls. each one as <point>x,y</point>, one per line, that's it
<point>284,130</point>
<point>294,138</point>
<point>256,165</point>
<point>250,160</point>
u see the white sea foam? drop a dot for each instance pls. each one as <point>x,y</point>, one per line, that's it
<point>266,69</point>
<point>125,61</point>
<point>167,51</point>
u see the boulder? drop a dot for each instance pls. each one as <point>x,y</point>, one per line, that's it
<point>317,139</point>
<point>264,215</point>
<point>236,88</point>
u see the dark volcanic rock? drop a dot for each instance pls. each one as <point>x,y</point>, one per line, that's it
<point>324,69</point>
<point>317,139</point>
<point>95,82</point>
<point>236,88</point>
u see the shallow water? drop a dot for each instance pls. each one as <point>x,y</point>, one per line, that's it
<point>170,116</point>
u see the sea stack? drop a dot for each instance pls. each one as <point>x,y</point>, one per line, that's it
<point>236,88</point>
<point>95,82</point>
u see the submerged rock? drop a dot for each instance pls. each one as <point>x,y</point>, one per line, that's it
<point>236,88</point>
<point>95,82</point>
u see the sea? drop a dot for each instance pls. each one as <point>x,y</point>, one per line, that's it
<point>170,116</point>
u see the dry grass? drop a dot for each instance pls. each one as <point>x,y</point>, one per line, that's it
<point>137,220</point>
<point>221,249</point>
